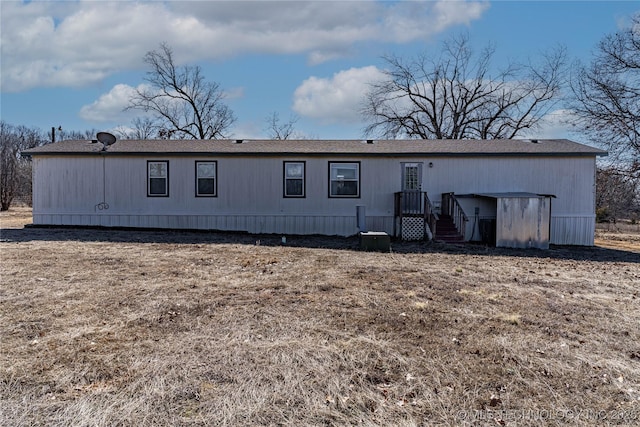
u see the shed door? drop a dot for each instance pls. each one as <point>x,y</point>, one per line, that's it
<point>412,186</point>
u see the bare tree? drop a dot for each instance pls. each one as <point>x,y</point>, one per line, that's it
<point>60,134</point>
<point>617,194</point>
<point>84,134</point>
<point>278,130</point>
<point>15,171</point>
<point>142,128</point>
<point>186,105</point>
<point>607,96</point>
<point>455,96</point>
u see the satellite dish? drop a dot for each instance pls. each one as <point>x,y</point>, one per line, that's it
<point>106,138</point>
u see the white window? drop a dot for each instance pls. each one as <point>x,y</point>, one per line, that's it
<point>344,179</point>
<point>294,174</point>
<point>157,178</point>
<point>411,179</point>
<point>206,182</point>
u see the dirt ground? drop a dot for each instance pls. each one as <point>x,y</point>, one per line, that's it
<point>147,328</point>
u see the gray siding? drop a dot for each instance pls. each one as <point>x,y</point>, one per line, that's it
<point>69,190</point>
<point>571,180</point>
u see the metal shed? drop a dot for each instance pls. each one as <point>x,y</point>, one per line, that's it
<point>523,220</point>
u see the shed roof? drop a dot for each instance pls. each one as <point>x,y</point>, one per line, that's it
<point>422,148</point>
<point>513,195</point>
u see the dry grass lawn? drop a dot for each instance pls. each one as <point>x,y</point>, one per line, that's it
<point>622,236</point>
<point>123,328</point>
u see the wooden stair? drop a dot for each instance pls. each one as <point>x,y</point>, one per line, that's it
<point>446,230</point>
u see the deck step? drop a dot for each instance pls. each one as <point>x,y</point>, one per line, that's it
<point>450,238</point>
<point>446,230</point>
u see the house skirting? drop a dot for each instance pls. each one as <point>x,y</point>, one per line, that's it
<point>565,229</point>
<point>573,230</point>
<point>256,224</point>
<point>413,228</point>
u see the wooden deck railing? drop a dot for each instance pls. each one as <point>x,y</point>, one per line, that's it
<point>430,216</point>
<point>416,204</point>
<point>450,206</point>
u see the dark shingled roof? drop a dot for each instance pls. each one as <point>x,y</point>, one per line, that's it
<point>409,148</point>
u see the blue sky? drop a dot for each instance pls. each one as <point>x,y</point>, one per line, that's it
<point>74,63</point>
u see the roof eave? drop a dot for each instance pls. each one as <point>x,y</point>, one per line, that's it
<point>310,154</point>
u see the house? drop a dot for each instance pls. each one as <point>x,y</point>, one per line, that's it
<point>520,193</point>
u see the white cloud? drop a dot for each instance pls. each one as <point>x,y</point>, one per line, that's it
<point>80,43</point>
<point>54,44</point>
<point>247,130</point>
<point>337,99</point>
<point>110,106</point>
<point>556,124</point>
<point>416,20</point>
<point>234,93</point>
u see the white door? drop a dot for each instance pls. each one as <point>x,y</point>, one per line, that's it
<point>412,187</point>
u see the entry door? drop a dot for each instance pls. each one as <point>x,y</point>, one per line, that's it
<point>412,187</point>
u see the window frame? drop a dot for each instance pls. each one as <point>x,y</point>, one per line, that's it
<point>215,178</point>
<point>358,180</point>
<point>303,178</point>
<point>149,177</point>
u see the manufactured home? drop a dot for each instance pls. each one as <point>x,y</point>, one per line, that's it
<point>514,193</point>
